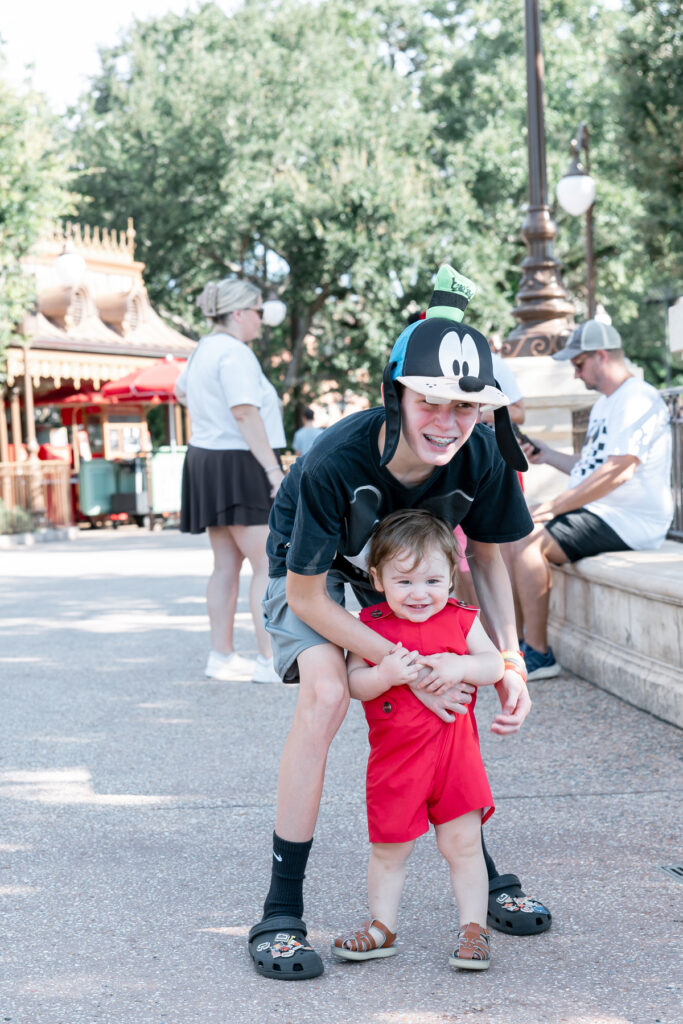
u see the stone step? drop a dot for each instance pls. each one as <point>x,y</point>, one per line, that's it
<point>617,620</point>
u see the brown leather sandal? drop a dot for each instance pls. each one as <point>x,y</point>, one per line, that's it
<point>472,952</point>
<point>362,945</point>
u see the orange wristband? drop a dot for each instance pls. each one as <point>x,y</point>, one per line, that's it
<point>513,666</point>
<point>514,660</point>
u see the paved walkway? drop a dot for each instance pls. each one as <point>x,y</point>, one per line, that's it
<point>137,800</point>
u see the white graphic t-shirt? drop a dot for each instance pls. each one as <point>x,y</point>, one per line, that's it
<point>632,421</point>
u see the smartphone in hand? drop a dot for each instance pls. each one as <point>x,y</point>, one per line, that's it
<point>523,439</point>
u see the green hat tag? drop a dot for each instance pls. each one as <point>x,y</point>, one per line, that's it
<point>452,292</point>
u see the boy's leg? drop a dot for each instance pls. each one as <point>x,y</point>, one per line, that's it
<point>510,910</point>
<point>459,842</point>
<point>491,869</point>
<point>321,706</point>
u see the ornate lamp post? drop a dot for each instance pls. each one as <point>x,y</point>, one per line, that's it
<point>576,195</point>
<point>543,309</point>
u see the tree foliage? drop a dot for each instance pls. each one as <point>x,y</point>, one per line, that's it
<point>337,151</point>
<point>649,72</point>
<point>478,86</point>
<point>278,143</point>
<point>33,193</point>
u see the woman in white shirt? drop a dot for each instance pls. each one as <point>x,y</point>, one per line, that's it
<point>232,469</point>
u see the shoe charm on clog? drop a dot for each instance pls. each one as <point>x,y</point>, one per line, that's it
<point>284,945</point>
<point>520,903</point>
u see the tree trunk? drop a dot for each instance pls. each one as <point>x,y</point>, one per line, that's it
<point>299,330</point>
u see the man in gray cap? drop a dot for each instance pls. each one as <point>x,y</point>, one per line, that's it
<point>619,494</point>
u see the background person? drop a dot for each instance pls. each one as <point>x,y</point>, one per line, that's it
<point>232,469</point>
<point>422,769</point>
<point>464,587</point>
<point>619,495</point>
<point>508,385</point>
<point>306,436</point>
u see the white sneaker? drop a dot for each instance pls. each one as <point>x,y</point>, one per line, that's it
<point>264,671</point>
<point>228,667</point>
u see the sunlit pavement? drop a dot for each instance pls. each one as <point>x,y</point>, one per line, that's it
<point>138,801</point>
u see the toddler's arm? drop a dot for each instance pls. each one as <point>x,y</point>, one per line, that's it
<point>365,682</point>
<point>395,669</point>
<point>481,666</point>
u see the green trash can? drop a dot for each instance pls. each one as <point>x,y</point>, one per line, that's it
<point>131,487</point>
<point>96,484</point>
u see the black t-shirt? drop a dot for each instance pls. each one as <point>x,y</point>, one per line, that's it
<point>331,499</point>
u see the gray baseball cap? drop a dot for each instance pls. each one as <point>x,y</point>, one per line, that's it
<point>589,336</point>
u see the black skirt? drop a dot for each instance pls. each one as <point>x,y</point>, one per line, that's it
<point>223,488</point>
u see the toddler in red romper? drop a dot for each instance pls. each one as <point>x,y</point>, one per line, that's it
<point>422,769</point>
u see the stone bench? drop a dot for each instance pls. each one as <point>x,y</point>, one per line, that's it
<point>617,620</point>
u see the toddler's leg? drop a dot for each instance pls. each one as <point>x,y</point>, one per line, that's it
<point>386,874</point>
<point>459,842</point>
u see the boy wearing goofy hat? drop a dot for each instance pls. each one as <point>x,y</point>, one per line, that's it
<point>422,449</point>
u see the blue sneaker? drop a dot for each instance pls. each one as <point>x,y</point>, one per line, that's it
<point>538,665</point>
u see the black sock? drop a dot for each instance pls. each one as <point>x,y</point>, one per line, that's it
<point>490,866</point>
<point>286,893</point>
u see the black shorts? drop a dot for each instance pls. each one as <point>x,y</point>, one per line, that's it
<point>223,488</point>
<point>581,533</point>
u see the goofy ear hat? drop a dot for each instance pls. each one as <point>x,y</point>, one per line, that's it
<point>445,360</point>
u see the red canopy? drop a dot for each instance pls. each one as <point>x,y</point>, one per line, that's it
<point>88,398</point>
<point>154,381</point>
<point>66,397</point>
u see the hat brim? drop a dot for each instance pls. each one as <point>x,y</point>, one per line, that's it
<point>447,389</point>
<point>569,352</point>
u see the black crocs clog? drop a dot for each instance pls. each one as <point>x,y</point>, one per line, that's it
<point>279,950</point>
<point>512,912</point>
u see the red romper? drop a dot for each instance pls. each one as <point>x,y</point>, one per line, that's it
<point>420,768</point>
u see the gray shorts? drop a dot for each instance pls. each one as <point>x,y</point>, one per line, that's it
<point>289,635</point>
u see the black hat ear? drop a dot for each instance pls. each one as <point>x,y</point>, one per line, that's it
<point>506,440</point>
<point>392,414</point>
